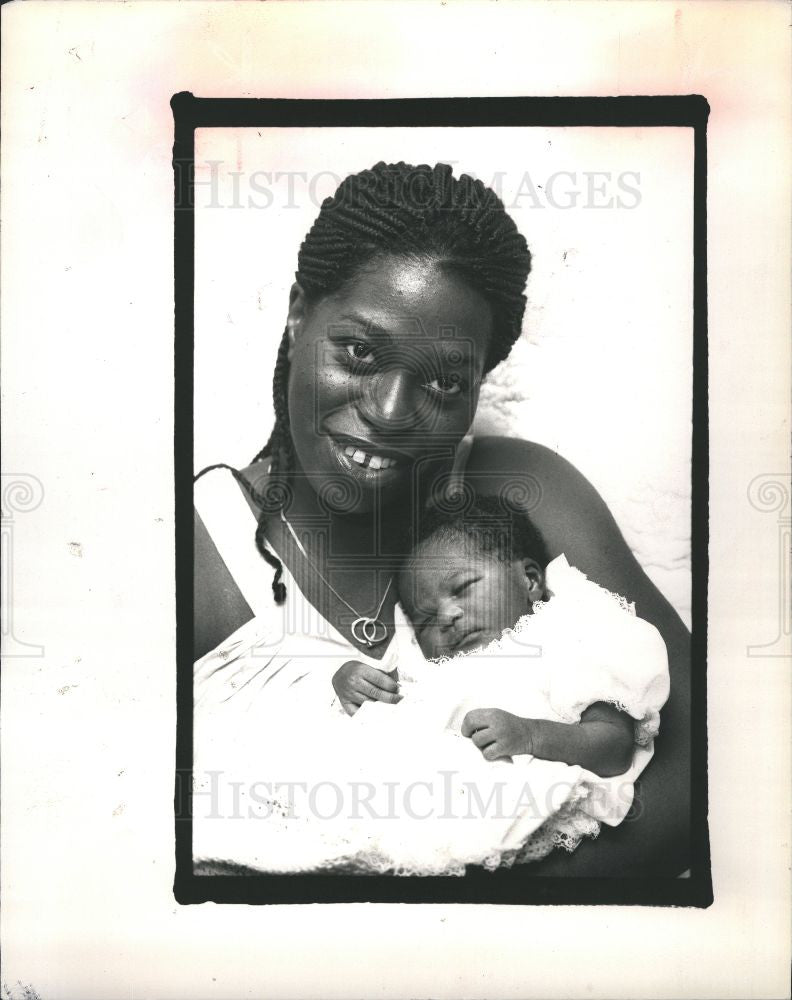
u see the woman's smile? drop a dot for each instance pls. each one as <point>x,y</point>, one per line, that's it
<point>373,466</point>
<point>369,461</point>
<point>366,451</point>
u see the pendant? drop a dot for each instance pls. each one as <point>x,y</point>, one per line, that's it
<point>371,631</point>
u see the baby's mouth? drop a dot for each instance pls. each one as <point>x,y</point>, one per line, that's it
<point>469,639</point>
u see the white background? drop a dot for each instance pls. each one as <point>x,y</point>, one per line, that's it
<point>88,727</point>
<point>603,373</point>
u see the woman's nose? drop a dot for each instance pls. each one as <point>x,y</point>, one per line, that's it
<point>390,401</point>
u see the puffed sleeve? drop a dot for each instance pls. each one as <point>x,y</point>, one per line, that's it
<point>604,653</point>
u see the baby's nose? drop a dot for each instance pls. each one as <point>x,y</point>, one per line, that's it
<point>448,613</point>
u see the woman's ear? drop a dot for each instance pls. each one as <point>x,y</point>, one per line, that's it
<point>297,310</point>
<point>534,579</point>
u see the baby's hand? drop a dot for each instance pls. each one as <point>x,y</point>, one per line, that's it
<point>356,682</point>
<point>497,733</point>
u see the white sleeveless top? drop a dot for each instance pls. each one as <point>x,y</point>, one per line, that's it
<point>282,645</point>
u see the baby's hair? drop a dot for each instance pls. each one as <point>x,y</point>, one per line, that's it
<point>490,525</point>
<point>421,213</point>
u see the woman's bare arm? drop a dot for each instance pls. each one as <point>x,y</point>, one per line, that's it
<point>574,520</point>
<point>219,608</point>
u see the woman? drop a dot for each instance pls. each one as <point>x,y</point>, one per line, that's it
<point>409,290</point>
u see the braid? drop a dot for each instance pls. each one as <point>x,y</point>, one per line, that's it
<point>279,447</point>
<point>420,212</point>
<point>280,450</point>
<point>278,587</point>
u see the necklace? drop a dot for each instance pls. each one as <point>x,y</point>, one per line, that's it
<point>371,631</point>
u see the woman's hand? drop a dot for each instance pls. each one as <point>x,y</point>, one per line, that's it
<point>496,733</point>
<point>356,682</point>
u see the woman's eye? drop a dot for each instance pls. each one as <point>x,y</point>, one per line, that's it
<point>461,588</point>
<point>358,351</point>
<point>448,385</point>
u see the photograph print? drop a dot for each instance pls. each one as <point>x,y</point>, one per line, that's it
<point>441,474</point>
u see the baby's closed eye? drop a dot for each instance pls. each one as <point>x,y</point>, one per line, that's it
<point>461,588</point>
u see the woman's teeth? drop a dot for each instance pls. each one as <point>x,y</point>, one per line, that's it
<point>372,461</point>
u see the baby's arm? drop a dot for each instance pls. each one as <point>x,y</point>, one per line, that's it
<point>602,742</point>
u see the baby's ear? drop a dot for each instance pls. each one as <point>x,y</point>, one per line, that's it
<point>534,578</point>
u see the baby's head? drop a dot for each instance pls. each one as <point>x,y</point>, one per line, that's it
<point>471,575</point>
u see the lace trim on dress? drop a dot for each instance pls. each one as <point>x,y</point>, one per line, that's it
<point>296,847</point>
<point>565,829</point>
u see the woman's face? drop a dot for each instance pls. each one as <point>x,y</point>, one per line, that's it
<point>384,379</point>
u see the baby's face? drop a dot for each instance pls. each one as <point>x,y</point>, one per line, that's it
<point>462,601</point>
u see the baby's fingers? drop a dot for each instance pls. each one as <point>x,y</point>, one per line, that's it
<point>495,752</point>
<point>483,738</point>
<point>372,693</point>
<point>389,697</point>
<point>379,679</point>
<point>479,718</point>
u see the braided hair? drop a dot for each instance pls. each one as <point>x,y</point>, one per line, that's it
<point>419,212</point>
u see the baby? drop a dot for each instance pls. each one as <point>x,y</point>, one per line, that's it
<point>475,582</point>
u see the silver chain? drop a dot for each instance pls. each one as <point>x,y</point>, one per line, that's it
<point>366,623</point>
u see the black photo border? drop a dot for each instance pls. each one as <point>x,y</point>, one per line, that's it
<point>504,887</point>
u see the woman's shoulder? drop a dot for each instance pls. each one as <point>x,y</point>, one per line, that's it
<point>253,480</point>
<point>227,572</point>
<point>534,476</point>
<point>570,515</point>
<point>514,455</point>
<point>564,507</point>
